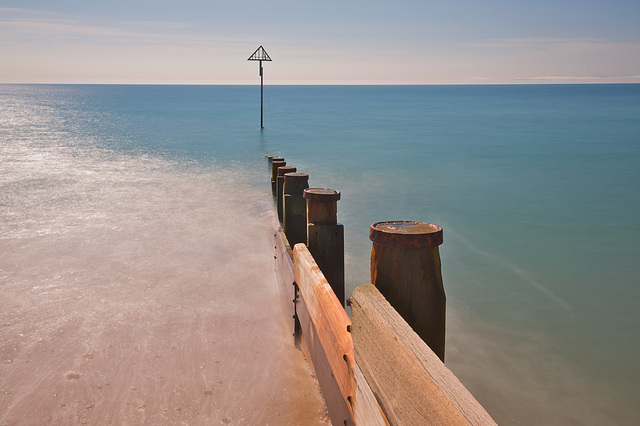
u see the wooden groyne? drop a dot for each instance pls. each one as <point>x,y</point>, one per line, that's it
<point>385,365</point>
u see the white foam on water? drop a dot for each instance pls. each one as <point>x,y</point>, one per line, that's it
<point>139,290</point>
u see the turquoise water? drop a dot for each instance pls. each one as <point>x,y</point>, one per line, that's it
<point>536,187</point>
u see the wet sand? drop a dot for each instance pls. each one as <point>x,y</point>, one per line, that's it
<point>148,313</point>
<point>162,356</point>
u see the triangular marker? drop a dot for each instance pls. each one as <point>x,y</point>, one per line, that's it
<point>259,55</point>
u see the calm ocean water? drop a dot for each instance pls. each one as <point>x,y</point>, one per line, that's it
<point>537,189</point>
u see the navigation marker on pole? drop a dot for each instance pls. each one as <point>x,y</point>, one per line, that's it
<point>260,55</point>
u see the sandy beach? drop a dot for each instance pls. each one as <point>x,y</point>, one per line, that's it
<point>141,304</point>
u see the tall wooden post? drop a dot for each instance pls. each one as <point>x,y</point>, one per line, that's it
<point>279,187</point>
<point>295,207</point>
<point>274,173</point>
<point>405,267</point>
<point>325,237</point>
<point>271,159</point>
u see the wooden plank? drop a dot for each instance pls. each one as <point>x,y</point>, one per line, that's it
<point>410,382</point>
<point>366,412</point>
<point>329,320</point>
<point>284,276</point>
<point>338,408</point>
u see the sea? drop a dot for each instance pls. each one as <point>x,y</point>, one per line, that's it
<point>537,188</point>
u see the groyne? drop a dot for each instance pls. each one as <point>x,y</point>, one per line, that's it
<point>385,364</point>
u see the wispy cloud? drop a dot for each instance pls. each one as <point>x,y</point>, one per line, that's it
<point>530,41</point>
<point>156,24</point>
<point>50,47</point>
<point>49,25</point>
<point>580,79</point>
<point>39,41</point>
<point>582,44</point>
<point>22,11</point>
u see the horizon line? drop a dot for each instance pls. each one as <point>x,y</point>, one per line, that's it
<point>515,82</point>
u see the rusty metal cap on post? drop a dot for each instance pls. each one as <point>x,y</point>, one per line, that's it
<point>285,169</point>
<point>406,234</point>
<point>321,194</point>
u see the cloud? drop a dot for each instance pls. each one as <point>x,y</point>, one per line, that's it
<point>529,41</point>
<point>33,24</point>
<point>567,79</point>
<point>38,41</point>
<point>49,47</point>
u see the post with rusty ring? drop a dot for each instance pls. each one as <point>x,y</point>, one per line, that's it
<point>325,236</point>
<point>405,267</point>
<point>275,163</point>
<point>295,207</point>
<point>279,187</point>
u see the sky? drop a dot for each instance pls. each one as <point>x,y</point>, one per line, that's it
<point>320,41</point>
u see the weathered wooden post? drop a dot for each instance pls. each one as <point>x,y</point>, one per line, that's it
<point>269,158</point>
<point>295,207</point>
<point>325,237</point>
<point>275,163</point>
<point>279,187</point>
<point>405,267</point>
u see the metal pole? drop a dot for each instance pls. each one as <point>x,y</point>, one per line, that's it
<point>261,55</point>
<point>261,94</point>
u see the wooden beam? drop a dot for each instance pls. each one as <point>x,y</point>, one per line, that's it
<point>339,409</point>
<point>410,382</point>
<point>284,276</point>
<point>330,323</point>
<point>367,412</point>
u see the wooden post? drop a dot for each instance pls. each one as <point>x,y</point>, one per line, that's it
<point>295,207</point>
<point>405,267</point>
<point>325,237</point>
<point>274,172</point>
<point>279,187</point>
<point>269,160</point>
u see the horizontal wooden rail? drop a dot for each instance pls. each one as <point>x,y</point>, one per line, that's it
<point>284,276</point>
<point>361,410</point>
<point>330,324</point>
<point>411,383</point>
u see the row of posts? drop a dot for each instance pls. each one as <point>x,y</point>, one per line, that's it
<point>405,260</point>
